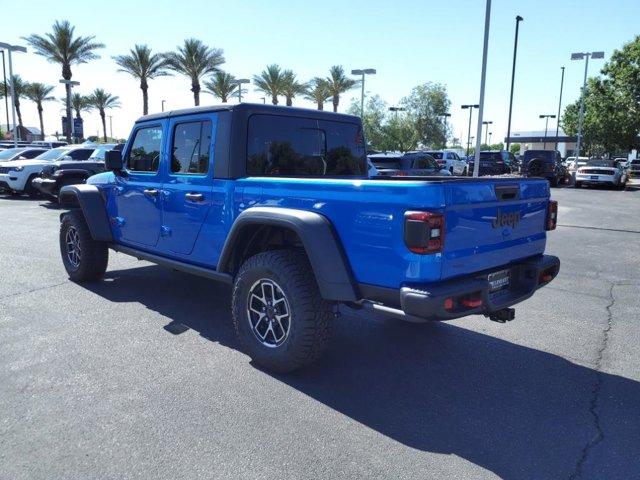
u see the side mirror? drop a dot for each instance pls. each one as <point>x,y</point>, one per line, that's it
<point>113,160</point>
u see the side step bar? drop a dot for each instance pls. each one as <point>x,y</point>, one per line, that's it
<point>174,264</point>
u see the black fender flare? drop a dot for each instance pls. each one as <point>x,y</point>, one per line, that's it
<point>91,202</point>
<point>321,243</point>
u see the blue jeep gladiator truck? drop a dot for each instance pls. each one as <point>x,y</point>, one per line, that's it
<point>276,202</point>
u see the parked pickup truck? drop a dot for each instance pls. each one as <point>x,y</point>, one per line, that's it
<point>276,202</point>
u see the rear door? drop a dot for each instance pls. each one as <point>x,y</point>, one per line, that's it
<point>187,189</point>
<point>137,198</point>
<point>493,223</point>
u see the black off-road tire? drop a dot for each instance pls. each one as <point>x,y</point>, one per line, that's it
<point>310,318</point>
<point>94,256</point>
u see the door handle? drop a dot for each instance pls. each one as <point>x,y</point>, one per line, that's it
<point>194,197</point>
<point>150,192</point>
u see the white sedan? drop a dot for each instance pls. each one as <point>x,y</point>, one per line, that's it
<point>601,172</point>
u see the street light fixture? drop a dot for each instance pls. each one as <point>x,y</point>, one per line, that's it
<point>513,76</point>
<point>396,110</point>
<point>163,104</point>
<point>69,84</point>
<point>6,95</point>
<point>12,48</point>
<point>490,133</point>
<point>239,82</point>
<point>363,72</point>
<point>264,99</point>
<point>580,56</point>
<point>546,125</point>
<point>559,106</point>
<point>470,107</point>
<point>486,130</point>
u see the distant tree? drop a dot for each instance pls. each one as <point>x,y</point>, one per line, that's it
<point>39,93</point>
<point>63,47</point>
<point>143,65</point>
<point>102,101</point>
<point>222,85</point>
<point>194,59</point>
<point>79,103</point>
<point>291,86</point>
<point>337,84</point>
<point>425,106</point>
<point>20,89</point>
<point>515,148</point>
<point>318,92</point>
<point>271,82</point>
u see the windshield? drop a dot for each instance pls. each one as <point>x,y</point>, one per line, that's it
<point>5,154</point>
<point>545,154</point>
<point>492,156</point>
<point>53,154</point>
<point>601,163</point>
<point>99,152</point>
<point>436,155</point>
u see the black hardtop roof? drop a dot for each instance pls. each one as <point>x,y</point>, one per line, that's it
<point>253,108</point>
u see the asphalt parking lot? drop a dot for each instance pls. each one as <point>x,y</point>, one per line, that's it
<point>139,376</point>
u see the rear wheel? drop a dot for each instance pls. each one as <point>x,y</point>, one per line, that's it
<point>84,258</point>
<point>278,314</point>
<point>578,184</point>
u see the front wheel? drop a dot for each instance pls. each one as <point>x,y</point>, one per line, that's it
<point>84,258</point>
<point>279,316</point>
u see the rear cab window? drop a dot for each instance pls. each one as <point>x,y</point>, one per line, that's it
<point>304,147</point>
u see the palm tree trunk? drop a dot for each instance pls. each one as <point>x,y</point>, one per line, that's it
<point>289,101</point>
<point>19,113</point>
<point>41,122</point>
<point>336,101</point>
<point>274,99</point>
<point>195,88</point>
<point>320,105</point>
<point>145,98</point>
<point>104,125</point>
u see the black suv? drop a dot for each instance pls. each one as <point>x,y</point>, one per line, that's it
<point>494,162</point>
<point>546,164</point>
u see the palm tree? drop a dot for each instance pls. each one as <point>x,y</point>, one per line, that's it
<point>194,59</point>
<point>338,83</point>
<point>38,93</point>
<point>318,91</point>
<point>79,103</point>
<point>20,88</point>
<point>271,82</point>
<point>143,65</point>
<point>291,86</point>
<point>101,101</point>
<point>222,85</point>
<point>61,46</point>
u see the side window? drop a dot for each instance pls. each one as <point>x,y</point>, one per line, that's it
<point>144,155</point>
<point>80,154</point>
<point>32,153</point>
<point>303,147</point>
<point>190,149</point>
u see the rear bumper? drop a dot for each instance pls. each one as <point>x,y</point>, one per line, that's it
<point>429,301</point>
<point>602,179</point>
<point>44,185</point>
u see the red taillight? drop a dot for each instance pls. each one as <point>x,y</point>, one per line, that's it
<point>552,215</point>
<point>424,232</point>
<point>471,302</point>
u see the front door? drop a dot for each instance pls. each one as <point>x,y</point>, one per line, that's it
<point>138,195</point>
<point>187,189</point>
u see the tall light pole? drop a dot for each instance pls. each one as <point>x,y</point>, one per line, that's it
<point>240,81</point>
<point>69,84</point>
<point>4,84</point>
<point>163,104</point>
<point>444,116</point>
<point>111,126</point>
<point>13,48</point>
<point>470,107</point>
<point>363,72</point>
<point>486,130</point>
<point>559,107</point>
<point>395,111</point>
<point>513,77</point>
<point>580,56</point>
<point>546,127</point>
<point>264,99</point>
<point>483,78</point>
<point>490,133</point>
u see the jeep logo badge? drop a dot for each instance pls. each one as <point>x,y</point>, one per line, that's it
<point>506,219</point>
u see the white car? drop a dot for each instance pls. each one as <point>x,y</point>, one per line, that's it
<point>16,175</point>
<point>601,172</point>
<point>449,160</point>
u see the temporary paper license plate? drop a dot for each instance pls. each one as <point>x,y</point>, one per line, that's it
<point>594,177</point>
<point>499,280</point>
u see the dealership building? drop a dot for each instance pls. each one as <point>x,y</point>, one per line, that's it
<point>536,140</point>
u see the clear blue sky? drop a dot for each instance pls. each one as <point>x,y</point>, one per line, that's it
<point>408,42</point>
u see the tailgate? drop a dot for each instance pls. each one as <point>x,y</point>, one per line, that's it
<point>493,223</point>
